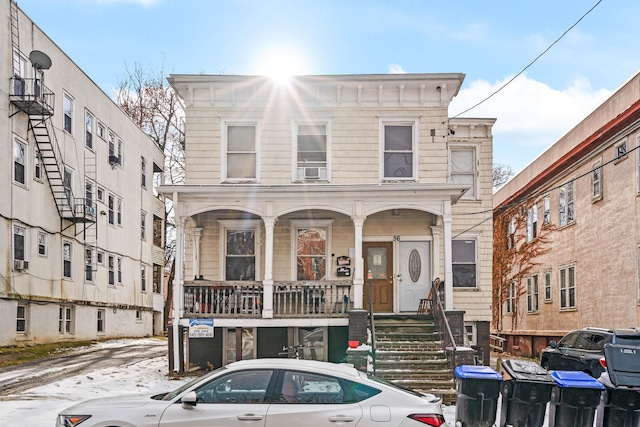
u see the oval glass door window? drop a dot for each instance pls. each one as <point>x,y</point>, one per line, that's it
<point>414,265</point>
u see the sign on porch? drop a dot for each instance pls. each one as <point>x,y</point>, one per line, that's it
<point>200,328</point>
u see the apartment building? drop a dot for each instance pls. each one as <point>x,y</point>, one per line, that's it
<point>582,197</point>
<point>81,226</point>
<point>310,201</point>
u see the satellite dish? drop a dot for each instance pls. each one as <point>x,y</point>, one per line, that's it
<point>40,60</point>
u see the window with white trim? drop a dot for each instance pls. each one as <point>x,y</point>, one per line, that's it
<point>398,150</point>
<point>42,243</point>
<point>100,318</point>
<point>547,286</point>
<point>65,320</point>
<point>119,212</point>
<point>101,130</point>
<point>143,172</point>
<point>621,150</point>
<point>19,163</point>
<point>241,151</point>
<point>311,245</point>
<point>240,250</point>
<point>21,319</point>
<point>67,108</point>
<point>463,170</point>
<point>463,254</point>
<point>119,265</point>
<point>596,182</point>
<point>567,287</point>
<point>143,278</point>
<point>120,152</point>
<point>89,189</point>
<point>66,259</point>
<point>532,294</point>
<point>511,234</point>
<point>532,223</point>
<point>566,204</point>
<point>37,166</point>
<point>88,265</point>
<point>311,151</point>
<point>100,258</point>
<point>510,298</point>
<point>88,128</point>
<point>111,270</point>
<point>111,200</point>
<point>19,243</point>
<point>547,209</point>
<point>143,226</point>
<point>19,74</point>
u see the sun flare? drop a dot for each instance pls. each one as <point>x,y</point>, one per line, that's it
<point>281,64</point>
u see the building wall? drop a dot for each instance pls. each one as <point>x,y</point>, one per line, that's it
<point>32,206</point>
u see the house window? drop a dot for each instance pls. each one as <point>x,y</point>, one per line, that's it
<point>88,121</point>
<point>596,182</point>
<point>20,73</point>
<point>67,180</point>
<point>311,158</point>
<point>68,113</point>
<point>511,234</point>
<point>66,259</point>
<point>157,278</point>
<point>21,319</point>
<point>547,285</point>
<point>88,265</point>
<point>240,254</point>
<point>398,151</point>
<point>143,167</point>
<point>143,278</point>
<point>112,147</point>
<point>101,194</point>
<point>511,297</point>
<point>120,156</point>
<point>621,150</point>
<point>565,206</point>
<point>241,152</point>
<point>119,264</point>
<point>464,263</point>
<point>65,320</point>
<point>311,243</point>
<point>42,244</point>
<point>463,170</point>
<point>143,226</point>
<point>88,197</point>
<point>119,216</point>
<point>567,287</point>
<point>37,166</point>
<point>19,165</point>
<point>532,294</point>
<point>100,130</point>
<point>157,231</point>
<point>111,269</point>
<point>100,317</point>
<point>110,206</point>
<point>547,209</point>
<point>100,258</point>
<point>532,223</point>
<point>138,315</point>
<point>19,242</point>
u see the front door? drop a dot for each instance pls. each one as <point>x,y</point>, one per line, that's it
<point>414,273</point>
<point>378,267</point>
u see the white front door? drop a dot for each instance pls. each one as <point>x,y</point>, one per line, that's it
<point>414,274</point>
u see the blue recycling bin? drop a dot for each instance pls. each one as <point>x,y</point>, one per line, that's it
<point>478,389</point>
<point>525,391</point>
<point>574,399</point>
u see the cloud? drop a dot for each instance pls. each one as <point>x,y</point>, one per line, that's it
<point>396,69</point>
<point>531,116</point>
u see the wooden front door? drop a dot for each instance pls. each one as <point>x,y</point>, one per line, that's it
<point>378,283</point>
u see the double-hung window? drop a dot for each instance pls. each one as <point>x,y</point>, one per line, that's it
<point>532,294</point>
<point>19,242</point>
<point>240,250</point>
<point>596,182</point>
<point>565,204</point>
<point>398,151</point>
<point>547,285</point>
<point>100,317</point>
<point>42,244</point>
<point>311,146</point>
<point>88,122</point>
<point>143,172</point>
<point>241,152</point>
<point>111,269</point>
<point>532,223</point>
<point>111,200</point>
<point>311,243</point>
<point>143,278</point>
<point>88,265</point>
<point>510,297</point>
<point>119,212</point>
<point>65,320</point>
<point>66,259</point>
<point>19,74</point>
<point>19,164</point>
<point>547,209</point>
<point>67,108</point>
<point>463,170</point>
<point>89,188</point>
<point>464,263</point>
<point>568,287</point>
<point>37,166</point>
<point>21,319</point>
<point>119,265</point>
<point>143,226</point>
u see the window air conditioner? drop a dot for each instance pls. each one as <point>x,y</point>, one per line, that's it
<point>20,264</point>
<point>311,173</point>
<point>114,160</point>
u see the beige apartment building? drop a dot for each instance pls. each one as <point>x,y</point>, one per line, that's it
<point>585,190</point>
<point>81,226</point>
<point>309,201</point>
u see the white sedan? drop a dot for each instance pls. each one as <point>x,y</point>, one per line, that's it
<point>267,393</point>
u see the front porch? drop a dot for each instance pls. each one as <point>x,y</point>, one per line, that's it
<point>254,299</point>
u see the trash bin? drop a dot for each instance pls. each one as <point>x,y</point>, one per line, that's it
<point>620,405</point>
<point>525,391</point>
<point>574,399</point>
<point>478,389</point>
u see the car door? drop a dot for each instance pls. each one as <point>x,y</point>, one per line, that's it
<point>558,357</point>
<point>309,399</point>
<point>575,358</point>
<point>237,399</point>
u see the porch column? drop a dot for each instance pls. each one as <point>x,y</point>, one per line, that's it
<point>178,287</point>
<point>197,234</point>
<point>358,274</point>
<point>448,268</point>
<point>267,283</point>
<point>436,232</point>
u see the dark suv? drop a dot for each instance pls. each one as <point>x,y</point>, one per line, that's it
<point>583,350</point>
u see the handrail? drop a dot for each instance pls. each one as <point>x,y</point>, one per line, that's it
<point>373,329</point>
<point>441,319</point>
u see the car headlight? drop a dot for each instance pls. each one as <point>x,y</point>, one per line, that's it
<point>71,420</point>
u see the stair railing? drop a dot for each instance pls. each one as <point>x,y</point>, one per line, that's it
<point>448,342</point>
<point>373,329</point>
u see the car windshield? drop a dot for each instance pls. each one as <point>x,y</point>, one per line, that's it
<point>179,390</point>
<point>392,385</point>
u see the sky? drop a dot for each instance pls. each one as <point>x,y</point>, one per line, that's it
<point>490,41</point>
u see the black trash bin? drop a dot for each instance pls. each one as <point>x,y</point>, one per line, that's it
<point>478,389</point>
<point>620,406</point>
<point>525,391</point>
<point>574,399</point>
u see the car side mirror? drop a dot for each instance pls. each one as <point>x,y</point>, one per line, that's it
<point>553,344</point>
<point>189,400</point>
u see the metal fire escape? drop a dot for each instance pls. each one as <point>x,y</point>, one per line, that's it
<point>31,96</point>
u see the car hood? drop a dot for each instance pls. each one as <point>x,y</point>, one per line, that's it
<point>112,403</point>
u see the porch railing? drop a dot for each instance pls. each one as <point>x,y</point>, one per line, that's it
<point>246,299</point>
<point>448,341</point>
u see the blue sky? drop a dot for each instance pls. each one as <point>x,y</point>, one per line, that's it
<point>490,41</point>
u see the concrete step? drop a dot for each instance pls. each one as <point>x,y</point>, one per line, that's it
<point>400,356</point>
